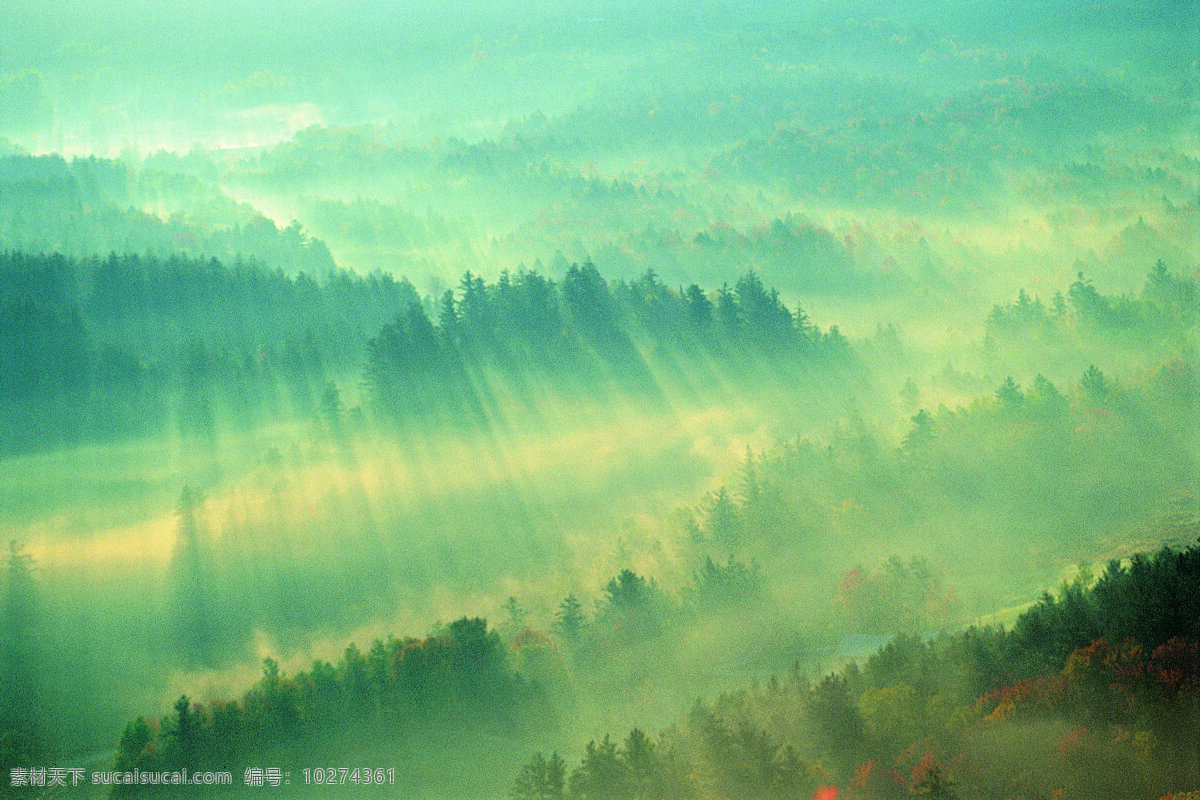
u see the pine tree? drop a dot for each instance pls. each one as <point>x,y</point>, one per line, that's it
<point>569,621</point>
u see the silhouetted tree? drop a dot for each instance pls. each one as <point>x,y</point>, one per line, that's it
<point>20,692</point>
<point>569,619</point>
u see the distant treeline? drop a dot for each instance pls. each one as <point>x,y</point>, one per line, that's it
<point>132,345</point>
<point>1018,468</point>
<point>1095,689</point>
<point>526,335</point>
<point>1168,304</point>
<point>91,206</point>
<point>946,157</point>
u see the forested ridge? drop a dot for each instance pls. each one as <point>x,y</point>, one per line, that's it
<point>89,207</point>
<point>135,345</point>
<point>1093,672</point>
<point>169,340</point>
<point>740,560</point>
<point>596,400</point>
<point>1099,683</point>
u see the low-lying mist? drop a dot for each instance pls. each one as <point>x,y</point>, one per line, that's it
<point>594,401</point>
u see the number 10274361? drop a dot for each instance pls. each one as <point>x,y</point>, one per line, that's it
<point>326,776</point>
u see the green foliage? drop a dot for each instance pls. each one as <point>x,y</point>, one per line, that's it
<point>721,523</point>
<point>456,681</point>
<point>90,206</point>
<point>541,779</point>
<point>632,607</point>
<point>1167,307</point>
<point>931,716</point>
<point>102,350</point>
<point>569,620</point>
<point>22,737</point>
<point>183,736</point>
<point>734,585</point>
<point>1151,599</point>
<point>583,336</point>
<point>709,756</point>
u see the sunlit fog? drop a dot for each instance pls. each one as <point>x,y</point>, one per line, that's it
<point>600,400</point>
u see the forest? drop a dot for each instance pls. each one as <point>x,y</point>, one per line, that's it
<point>600,401</point>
